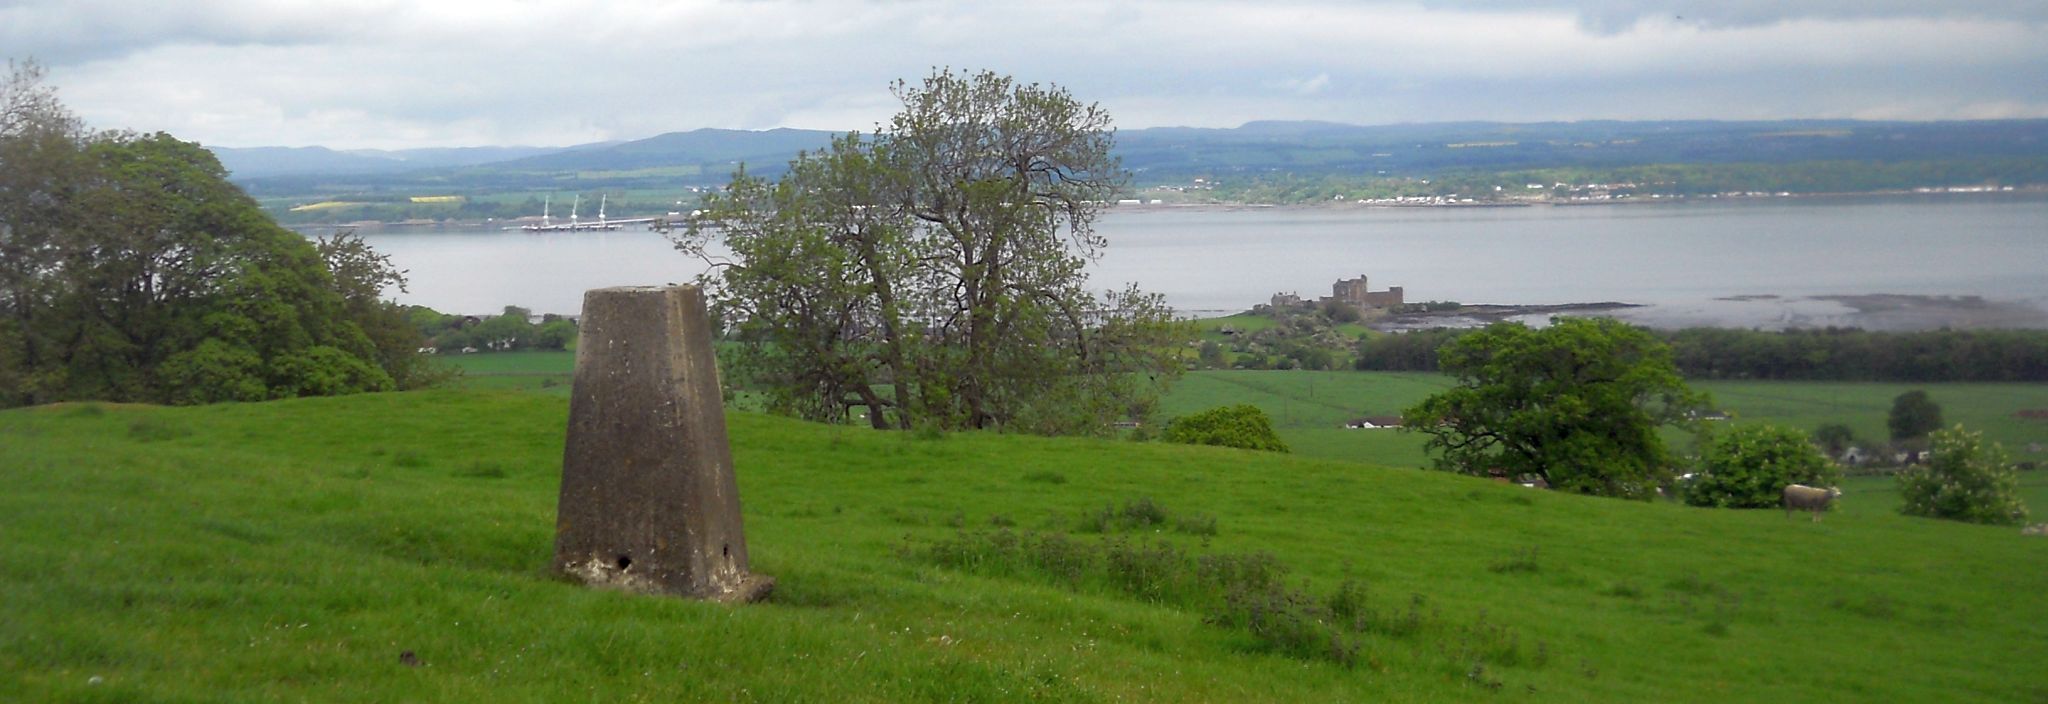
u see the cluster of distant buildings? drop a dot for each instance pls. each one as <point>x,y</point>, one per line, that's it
<point>1351,292</point>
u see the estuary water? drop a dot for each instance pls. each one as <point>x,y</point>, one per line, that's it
<point>1771,263</point>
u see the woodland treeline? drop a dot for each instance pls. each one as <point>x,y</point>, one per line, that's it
<point>1830,354</point>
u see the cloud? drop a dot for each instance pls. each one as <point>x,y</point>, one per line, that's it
<point>545,72</point>
<point>1307,86</point>
<point>1612,16</point>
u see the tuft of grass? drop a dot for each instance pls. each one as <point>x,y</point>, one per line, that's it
<point>1044,476</point>
<point>1244,592</point>
<point>1878,607</point>
<point>156,429</point>
<point>1624,590</point>
<point>482,469</point>
<point>1520,561</point>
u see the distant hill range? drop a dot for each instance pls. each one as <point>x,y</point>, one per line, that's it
<point>1168,154</point>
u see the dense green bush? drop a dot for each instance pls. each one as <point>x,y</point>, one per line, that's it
<point>1749,466</point>
<point>1242,425</point>
<point>1965,480</point>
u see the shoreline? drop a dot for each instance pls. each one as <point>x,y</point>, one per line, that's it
<point>2002,192</point>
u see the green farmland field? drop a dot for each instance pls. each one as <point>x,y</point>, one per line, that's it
<point>1309,409</point>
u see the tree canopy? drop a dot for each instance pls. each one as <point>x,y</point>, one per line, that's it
<point>131,270</point>
<point>1913,416</point>
<point>1578,403</point>
<point>932,273</point>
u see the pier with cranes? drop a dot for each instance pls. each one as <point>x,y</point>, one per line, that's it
<point>577,224</point>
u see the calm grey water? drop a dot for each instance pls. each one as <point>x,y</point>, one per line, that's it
<point>1681,259</point>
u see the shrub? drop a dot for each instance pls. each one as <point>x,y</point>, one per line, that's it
<point>1242,426</point>
<point>1965,480</point>
<point>1749,466</point>
<point>1834,438</point>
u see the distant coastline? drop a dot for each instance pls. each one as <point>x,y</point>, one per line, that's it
<point>1149,207</point>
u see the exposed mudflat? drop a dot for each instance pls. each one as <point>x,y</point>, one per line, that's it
<point>1875,311</point>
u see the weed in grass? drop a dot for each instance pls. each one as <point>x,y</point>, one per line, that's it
<point>1287,620</point>
<point>1624,590</point>
<point>1476,674</point>
<point>1143,513</point>
<point>1348,603</point>
<point>1196,524</point>
<point>1879,607</point>
<point>1064,559</point>
<point>1405,623</point>
<point>1520,561</point>
<point>237,531</point>
<point>1483,640</point>
<point>1256,570</point>
<point>1045,477</point>
<point>1243,592</point>
<point>1151,571</point>
<point>481,469</point>
<point>1692,583</point>
<point>957,520</point>
<point>148,429</point>
<point>1001,521</point>
<point>1518,498</point>
<point>408,458</point>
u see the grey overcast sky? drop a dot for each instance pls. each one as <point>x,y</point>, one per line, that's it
<point>437,73</point>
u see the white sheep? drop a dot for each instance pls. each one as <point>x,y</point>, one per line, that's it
<point>1801,496</point>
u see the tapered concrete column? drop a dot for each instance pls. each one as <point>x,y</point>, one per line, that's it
<point>649,502</point>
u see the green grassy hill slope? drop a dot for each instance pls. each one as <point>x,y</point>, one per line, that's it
<point>296,550</point>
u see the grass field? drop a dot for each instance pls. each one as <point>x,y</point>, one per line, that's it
<point>296,550</point>
<point>1309,408</point>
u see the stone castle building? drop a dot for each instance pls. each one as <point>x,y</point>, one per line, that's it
<point>1355,293</point>
<point>1352,292</point>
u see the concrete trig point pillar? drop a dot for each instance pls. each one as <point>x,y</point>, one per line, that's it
<point>648,502</point>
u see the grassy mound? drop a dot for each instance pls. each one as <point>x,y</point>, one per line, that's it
<point>394,547</point>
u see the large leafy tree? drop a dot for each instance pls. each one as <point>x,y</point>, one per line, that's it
<point>1578,404</point>
<point>933,274</point>
<point>134,271</point>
